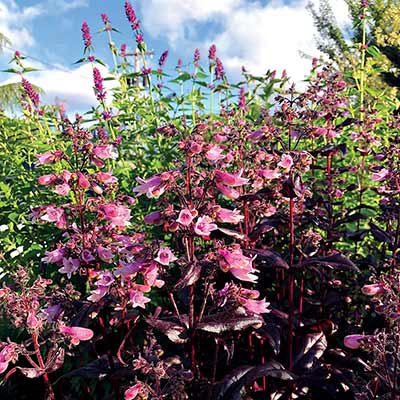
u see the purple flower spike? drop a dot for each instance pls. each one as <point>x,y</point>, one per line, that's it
<point>98,85</point>
<point>139,38</point>
<point>219,69</point>
<point>87,38</point>
<point>196,57</point>
<point>131,15</point>
<point>163,58</point>
<point>106,21</point>
<point>212,52</point>
<point>30,92</point>
<point>242,100</point>
<point>123,50</point>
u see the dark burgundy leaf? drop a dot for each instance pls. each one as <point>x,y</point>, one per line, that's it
<point>272,333</point>
<point>326,326</point>
<point>380,235</point>
<point>173,330</point>
<point>229,321</point>
<point>230,387</point>
<point>97,369</point>
<point>335,261</point>
<point>56,362</point>
<point>292,187</point>
<point>31,373</point>
<point>262,227</point>
<point>269,258</point>
<point>312,347</point>
<point>265,193</point>
<point>190,276</point>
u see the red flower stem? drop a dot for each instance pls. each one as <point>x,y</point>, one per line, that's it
<point>291,282</point>
<point>49,388</point>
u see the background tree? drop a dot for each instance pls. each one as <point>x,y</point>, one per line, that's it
<point>383,40</point>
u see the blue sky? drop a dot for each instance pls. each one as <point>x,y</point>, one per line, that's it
<point>259,34</point>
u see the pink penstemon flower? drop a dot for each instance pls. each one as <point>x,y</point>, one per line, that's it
<point>105,152</point>
<point>286,162</point>
<point>165,256</point>
<point>151,187</point>
<point>214,154</point>
<point>380,176</point>
<point>228,216</point>
<point>228,179</point>
<point>186,217</point>
<point>234,261</point>
<point>132,392</point>
<point>70,265</point>
<point>204,226</point>
<point>76,333</point>
<point>50,157</point>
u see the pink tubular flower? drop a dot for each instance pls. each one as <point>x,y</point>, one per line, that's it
<point>286,162</point>
<point>239,265</point>
<point>7,354</point>
<point>106,278</point>
<point>185,217</point>
<point>98,294</point>
<point>373,289</point>
<point>229,216</point>
<point>256,306</point>
<point>133,391</point>
<point>151,187</point>
<point>119,215</point>
<point>87,256</point>
<point>214,153</point>
<point>269,173</point>
<point>63,189</point>
<point>354,341</point>
<point>138,299</point>
<point>380,176</point>
<point>154,218</point>
<point>83,182</point>
<point>70,265</point>
<point>256,136</point>
<point>46,179</point>
<point>104,254</point>
<point>106,177</point>
<point>76,332</point>
<point>228,179</point>
<point>57,215</point>
<point>203,227</point>
<point>54,257</point>
<point>228,192</point>
<point>165,256</point>
<point>49,157</point>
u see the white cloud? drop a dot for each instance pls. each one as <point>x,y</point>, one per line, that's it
<point>74,87</point>
<point>15,23</point>
<point>172,18</point>
<point>251,33</point>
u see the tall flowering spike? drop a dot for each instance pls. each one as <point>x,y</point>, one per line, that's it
<point>30,92</point>
<point>196,57</point>
<point>98,85</point>
<point>163,58</point>
<point>242,100</point>
<point>87,38</point>
<point>219,70</point>
<point>212,52</point>
<point>123,50</point>
<point>131,15</point>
